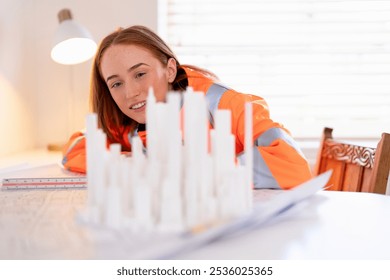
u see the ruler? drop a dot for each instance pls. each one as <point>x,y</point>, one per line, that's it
<point>44,183</point>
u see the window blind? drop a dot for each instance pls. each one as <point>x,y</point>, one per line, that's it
<point>317,63</point>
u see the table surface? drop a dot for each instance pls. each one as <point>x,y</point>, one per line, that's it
<point>42,224</point>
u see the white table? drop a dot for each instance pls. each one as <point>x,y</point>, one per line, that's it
<point>332,225</point>
<point>41,224</point>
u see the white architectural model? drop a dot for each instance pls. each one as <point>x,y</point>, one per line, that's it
<point>178,184</point>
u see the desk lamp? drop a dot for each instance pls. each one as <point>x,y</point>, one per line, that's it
<point>73,43</point>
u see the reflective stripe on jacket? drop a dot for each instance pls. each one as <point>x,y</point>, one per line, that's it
<point>278,161</point>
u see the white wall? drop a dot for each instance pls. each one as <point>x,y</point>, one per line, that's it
<point>42,102</point>
<point>16,111</point>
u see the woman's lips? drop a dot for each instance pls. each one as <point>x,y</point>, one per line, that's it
<point>138,106</point>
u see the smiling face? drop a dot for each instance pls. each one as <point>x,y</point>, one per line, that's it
<point>129,71</point>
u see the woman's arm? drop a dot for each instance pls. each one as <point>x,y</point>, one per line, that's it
<point>74,153</point>
<point>278,161</point>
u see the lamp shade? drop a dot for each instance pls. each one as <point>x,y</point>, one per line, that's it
<point>73,43</point>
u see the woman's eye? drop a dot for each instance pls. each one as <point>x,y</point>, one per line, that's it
<point>117,84</point>
<point>139,75</point>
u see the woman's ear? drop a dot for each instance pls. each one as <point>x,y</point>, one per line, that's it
<point>171,69</point>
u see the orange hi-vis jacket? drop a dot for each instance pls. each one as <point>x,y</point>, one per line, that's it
<point>278,162</point>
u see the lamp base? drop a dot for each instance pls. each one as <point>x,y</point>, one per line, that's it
<point>55,147</point>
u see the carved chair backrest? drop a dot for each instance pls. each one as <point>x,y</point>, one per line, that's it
<point>355,168</point>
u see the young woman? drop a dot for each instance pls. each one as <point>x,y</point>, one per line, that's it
<point>130,61</point>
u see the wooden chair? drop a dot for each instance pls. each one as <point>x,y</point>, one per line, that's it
<point>355,168</point>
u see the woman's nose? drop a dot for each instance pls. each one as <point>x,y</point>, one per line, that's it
<point>131,93</point>
<point>128,94</point>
